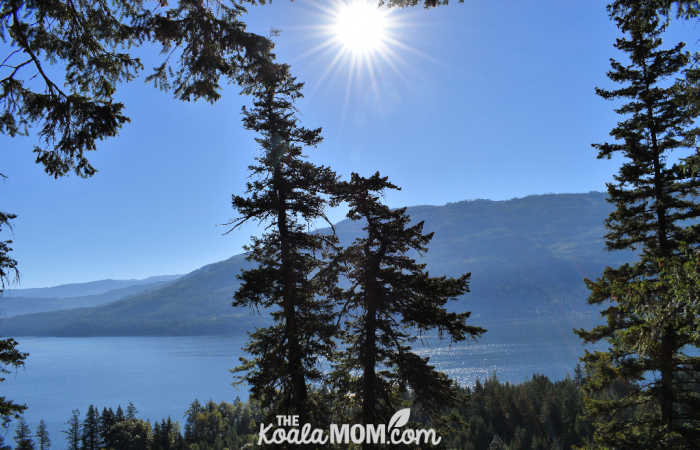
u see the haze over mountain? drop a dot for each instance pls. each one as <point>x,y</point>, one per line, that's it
<point>528,258</point>
<point>78,295</point>
<point>84,289</point>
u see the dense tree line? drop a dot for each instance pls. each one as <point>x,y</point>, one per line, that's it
<point>536,414</point>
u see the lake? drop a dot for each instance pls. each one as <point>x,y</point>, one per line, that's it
<point>162,375</point>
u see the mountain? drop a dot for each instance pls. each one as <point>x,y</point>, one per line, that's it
<point>19,304</point>
<point>85,289</point>
<point>528,257</point>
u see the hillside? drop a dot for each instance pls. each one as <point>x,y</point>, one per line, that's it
<point>84,289</point>
<point>28,301</point>
<point>527,256</point>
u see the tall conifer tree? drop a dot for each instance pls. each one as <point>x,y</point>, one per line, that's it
<point>73,431</point>
<point>90,436</point>
<point>286,194</point>
<point>390,298</point>
<point>23,436</point>
<point>655,194</point>
<point>42,436</point>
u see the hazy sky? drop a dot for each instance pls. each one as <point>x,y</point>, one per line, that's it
<point>486,99</point>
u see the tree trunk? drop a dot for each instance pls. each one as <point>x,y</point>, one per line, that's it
<point>369,353</point>
<point>297,400</point>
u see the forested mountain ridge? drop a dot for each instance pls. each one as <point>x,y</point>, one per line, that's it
<point>528,257</point>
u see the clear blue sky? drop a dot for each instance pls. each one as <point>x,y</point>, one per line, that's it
<point>487,99</point>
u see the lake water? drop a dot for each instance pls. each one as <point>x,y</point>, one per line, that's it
<point>162,375</point>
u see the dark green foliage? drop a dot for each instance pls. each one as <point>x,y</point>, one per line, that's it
<point>220,426</point>
<point>166,436</point>
<point>687,9</point>
<point>537,414</point>
<point>119,416</point>
<point>650,326</point>
<point>73,431</point>
<point>107,419</point>
<point>10,357</point>
<point>211,426</point>
<point>132,434</point>
<point>91,41</point>
<point>42,435</point>
<point>284,194</point>
<point>390,298</point>
<point>131,411</point>
<point>90,436</point>
<point>8,265</point>
<point>405,3</point>
<point>23,436</point>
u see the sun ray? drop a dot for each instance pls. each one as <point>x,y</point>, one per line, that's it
<point>359,42</point>
<point>333,64</point>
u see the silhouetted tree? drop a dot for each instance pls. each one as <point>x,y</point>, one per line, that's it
<point>166,435</point>
<point>23,436</point>
<point>73,431</point>
<point>390,298</point>
<point>655,194</point>
<point>107,419</point>
<point>94,45</point>
<point>10,357</point>
<point>90,436</point>
<point>286,194</point>
<point>42,435</point>
<point>131,411</point>
<point>119,415</point>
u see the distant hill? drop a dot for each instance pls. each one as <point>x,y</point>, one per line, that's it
<point>527,256</point>
<point>20,304</point>
<point>85,289</point>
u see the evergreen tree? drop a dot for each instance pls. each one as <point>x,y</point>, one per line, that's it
<point>166,435</point>
<point>90,436</point>
<point>42,435</point>
<point>285,194</point>
<point>687,9</point>
<point>132,434</point>
<point>94,45</point>
<point>107,419</point>
<point>655,194</point>
<point>23,436</point>
<point>190,420</point>
<point>131,411</point>
<point>119,416</point>
<point>10,357</point>
<point>390,298</point>
<point>73,431</point>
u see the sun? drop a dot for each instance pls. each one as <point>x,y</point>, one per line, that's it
<point>361,42</point>
<point>360,26</point>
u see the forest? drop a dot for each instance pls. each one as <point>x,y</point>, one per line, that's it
<point>537,414</point>
<point>338,345</point>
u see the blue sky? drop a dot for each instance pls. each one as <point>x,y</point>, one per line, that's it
<point>486,99</point>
